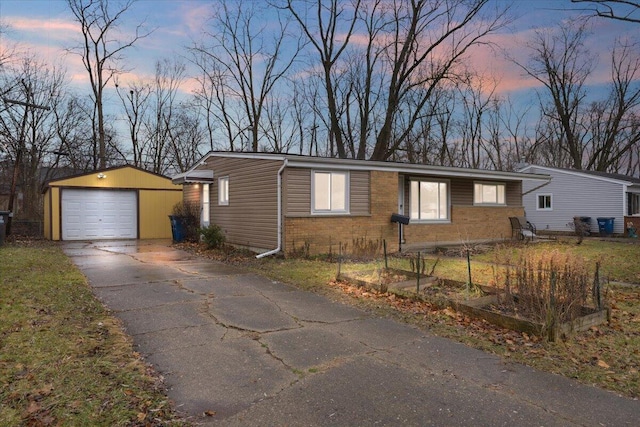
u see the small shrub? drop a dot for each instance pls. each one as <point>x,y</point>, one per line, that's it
<point>550,288</point>
<point>190,214</point>
<point>213,236</point>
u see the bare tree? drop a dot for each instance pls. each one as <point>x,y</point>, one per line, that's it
<point>613,123</point>
<point>621,10</point>
<point>161,115</point>
<point>186,137</point>
<point>379,87</point>
<point>102,51</point>
<point>244,61</point>
<point>27,128</point>
<point>329,32</point>
<point>135,104</point>
<point>562,64</point>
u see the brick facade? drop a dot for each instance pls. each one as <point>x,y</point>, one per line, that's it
<point>469,224</point>
<point>324,234</point>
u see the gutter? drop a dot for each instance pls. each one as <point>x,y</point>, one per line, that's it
<point>279,248</point>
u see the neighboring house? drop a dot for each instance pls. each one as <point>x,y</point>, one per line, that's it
<point>117,203</point>
<point>277,202</point>
<point>576,193</point>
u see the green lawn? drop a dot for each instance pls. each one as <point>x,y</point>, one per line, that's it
<point>64,360</point>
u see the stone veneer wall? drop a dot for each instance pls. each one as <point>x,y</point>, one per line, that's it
<point>323,234</point>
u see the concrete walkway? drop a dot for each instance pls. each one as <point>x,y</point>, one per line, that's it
<point>262,353</point>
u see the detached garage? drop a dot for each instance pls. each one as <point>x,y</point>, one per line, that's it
<point>118,203</point>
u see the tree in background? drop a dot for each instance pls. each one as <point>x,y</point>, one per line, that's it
<point>621,10</point>
<point>243,60</point>
<point>101,50</point>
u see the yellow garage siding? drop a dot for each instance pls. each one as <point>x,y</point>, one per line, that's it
<point>55,214</point>
<point>156,198</point>
<point>155,208</point>
<point>47,217</point>
<point>124,177</point>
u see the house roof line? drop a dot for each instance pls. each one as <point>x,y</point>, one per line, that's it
<point>354,164</point>
<point>630,181</point>
<point>51,182</point>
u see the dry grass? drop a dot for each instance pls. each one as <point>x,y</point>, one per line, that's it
<point>607,356</point>
<point>64,360</point>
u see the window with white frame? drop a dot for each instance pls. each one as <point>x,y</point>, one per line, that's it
<point>330,192</point>
<point>429,200</point>
<point>223,190</point>
<point>545,202</point>
<point>489,193</point>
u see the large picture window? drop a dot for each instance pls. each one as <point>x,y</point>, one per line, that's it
<point>429,200</point>
<point>330,192</point>
<point>223,190</point>
<point>489,193</point>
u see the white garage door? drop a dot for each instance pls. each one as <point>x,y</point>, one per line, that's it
<point>99,214</point>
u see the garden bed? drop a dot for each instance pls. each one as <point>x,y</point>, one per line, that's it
<point>482,302</point>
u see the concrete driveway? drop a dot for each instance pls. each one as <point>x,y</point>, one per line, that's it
<point>258,352</point>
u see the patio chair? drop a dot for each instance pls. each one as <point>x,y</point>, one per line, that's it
<point>521,228</point>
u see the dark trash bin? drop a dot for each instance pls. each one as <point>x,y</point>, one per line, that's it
<point>4,219</point>
<point>605,226</point>
<point>582,225</point>
<point>2,230</point>
<point>178,228</point>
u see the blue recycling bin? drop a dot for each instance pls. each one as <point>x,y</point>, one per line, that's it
<point>178,228</point>
<point>605,226</point>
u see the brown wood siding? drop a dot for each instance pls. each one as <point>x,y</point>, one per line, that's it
<point>514,193</point>
<point>251,217</point>
<point>191,193</point>
<point>297,194</point>
<point>297,184</point>
<point>360,193</point>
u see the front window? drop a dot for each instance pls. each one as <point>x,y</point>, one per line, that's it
<point>330,192</point>
<point>223,190</point>
<point>429,200</point>
<point>545,202</point>
<point>489,193</point>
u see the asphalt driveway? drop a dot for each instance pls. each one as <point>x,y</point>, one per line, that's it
<point>255,352</point>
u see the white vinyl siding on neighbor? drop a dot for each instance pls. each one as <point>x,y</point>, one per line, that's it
<point>330,192</point>
<point>429,200</point>
<point>545,202</point>
<point>223,191</point>
<point>574,195</point>
<point>489,193</point>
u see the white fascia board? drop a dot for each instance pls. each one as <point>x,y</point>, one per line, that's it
<point>412,169</point>
<point>330,163</point>
<point>193,176</point>
<point>580,174</point>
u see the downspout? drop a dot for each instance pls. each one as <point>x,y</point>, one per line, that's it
<point>279,248</point>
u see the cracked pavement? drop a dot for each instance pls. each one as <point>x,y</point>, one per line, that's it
<point>258,352</point>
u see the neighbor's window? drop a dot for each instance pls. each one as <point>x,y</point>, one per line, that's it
<point>489,193</point>
<point>633,203</point>
<point>429,200</point>
<point>545,202</point>
<point>223,190</point>
<point>330,192</point>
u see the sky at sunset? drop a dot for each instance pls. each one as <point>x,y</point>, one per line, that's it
<point>46,27</point>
